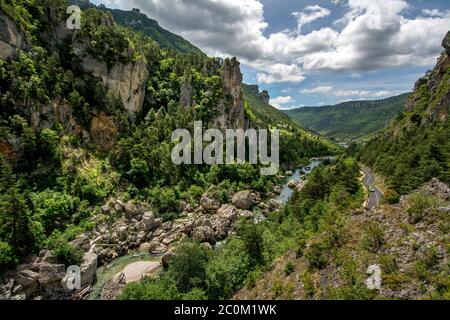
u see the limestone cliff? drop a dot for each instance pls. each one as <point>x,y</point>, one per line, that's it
<point>231,113</point>
<point>12,40</point>
<point>432,93</point>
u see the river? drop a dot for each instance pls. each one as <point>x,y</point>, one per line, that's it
<point>108,272</point>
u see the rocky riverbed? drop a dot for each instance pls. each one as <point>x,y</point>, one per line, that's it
<point>124,227</point>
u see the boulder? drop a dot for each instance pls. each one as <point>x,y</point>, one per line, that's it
<point>243,200</point>
<point>148,221</point>
<point>27,278</point>
<point>106,209</point>
<point>245,214</point>
<point>88,268</point>
<point>292,184</point>
<point>51,273</point>
<point>277,189</point>
<point>204,234</point>
<point>274,204</point>
<point>113,287</point>
<point>289,173</point>
<point>209,203</point>
<point>228,212</point>
<point>157,248</point>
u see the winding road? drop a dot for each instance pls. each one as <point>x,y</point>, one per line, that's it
<point>369,182</point>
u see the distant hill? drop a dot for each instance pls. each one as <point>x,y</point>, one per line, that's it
<point>350,120</point>
<point>293,137</point>
<point>140,22</point>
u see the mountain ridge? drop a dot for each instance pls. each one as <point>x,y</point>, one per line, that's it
<point>351,120</point>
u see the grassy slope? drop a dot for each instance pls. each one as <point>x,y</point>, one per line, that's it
<point>350,120</point>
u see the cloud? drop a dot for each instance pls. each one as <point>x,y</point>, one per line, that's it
<point>435,13</point>
<point>310,14</point>
<point>323,89</point>
<point>347,93</point>
<point>371,35</point>
<point>279,73</point>
<point>363,93</point>
<point>279,101</point>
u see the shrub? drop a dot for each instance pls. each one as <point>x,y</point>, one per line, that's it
<point>316,254</point>
<point>392,197</point>
<point>7,257</point>
<point>290,268</point>
<point>373,238</point>
<point>64,252</point>
<point>252,278</point>
<point>308,285</point>
<point>388,264</point>
<point>418,204</point>
<point>161,288</point>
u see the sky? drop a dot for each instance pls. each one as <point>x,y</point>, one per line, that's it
<point>313,52</point>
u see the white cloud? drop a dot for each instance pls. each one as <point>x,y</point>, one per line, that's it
<point>435,13</point>
<point>322,89</point>
<point>310,14</point>
<point>347,93</point>
<point>362,93</point>
<point>279,73</point>
<point>279,101</point>
<point>371,35</point>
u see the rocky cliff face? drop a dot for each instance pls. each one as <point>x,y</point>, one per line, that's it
<point>11,39</point>
<point>432,93</point>
<point>125,80</point>
<point>231,113</point>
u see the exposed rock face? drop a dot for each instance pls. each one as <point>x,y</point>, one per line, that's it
<point>12,41</point>
<point>187,92</point>
<point>125,80</point>
<point>446,43</point>
<point>437,83</point>
<point>231,113</point>
<point>265,97</point>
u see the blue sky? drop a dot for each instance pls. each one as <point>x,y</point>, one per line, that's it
<point>313,52</point>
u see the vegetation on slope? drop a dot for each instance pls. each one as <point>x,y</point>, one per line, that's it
<point>52,183</point>
<point>353,120</point>
<point>297,144</point>
<point>416,147</point>
<point>140,22</point>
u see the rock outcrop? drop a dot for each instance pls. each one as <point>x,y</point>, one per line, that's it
<point>44,277</point>
<point>231,113</point>
<point>12,40</point>
<point>436,84</point>
<point>446,43</point>
<point>125,80</point>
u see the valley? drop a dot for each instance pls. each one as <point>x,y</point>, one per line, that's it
<point>87,175</point>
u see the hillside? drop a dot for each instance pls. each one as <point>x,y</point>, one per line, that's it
<point>86,173</point>
<point>352,120</point>
<point>406,238</point>
<point>140,22</point>
<point>416,146</point>
<point>294,138</point>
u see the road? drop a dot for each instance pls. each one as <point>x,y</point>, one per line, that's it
<point>369,183</point>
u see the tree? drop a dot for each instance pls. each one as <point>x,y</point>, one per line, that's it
<point>254,242</point>
<point>188,266</point>
<point>14,215</point>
